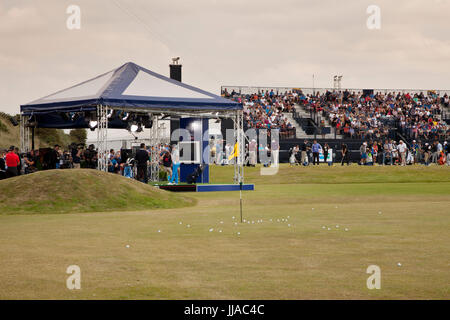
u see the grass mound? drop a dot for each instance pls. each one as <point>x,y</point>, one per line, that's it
<point>83,190</point>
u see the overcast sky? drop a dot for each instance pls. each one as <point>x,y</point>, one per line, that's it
<point>224,42</point>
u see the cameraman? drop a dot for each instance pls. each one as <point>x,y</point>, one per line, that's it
<point>2,161</point>
<point>30,161</point>
<point>76,156</point>
<point>91,157</point>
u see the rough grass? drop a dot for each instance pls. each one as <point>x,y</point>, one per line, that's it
<point>268,260</point>
<point>83,190</point>
<point>9,135</point>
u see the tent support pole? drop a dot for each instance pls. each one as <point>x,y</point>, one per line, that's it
<point>32,138</point>
<point>239,165</point>
<point>102,138</point>
<point>238,125</point>
<point>154,141</point>
<point>24,134</point>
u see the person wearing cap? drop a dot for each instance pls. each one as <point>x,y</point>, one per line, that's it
<point>275,149</point>
<point>447,152</point>
<point>434,152</point>
<point>416,151</point>
<point>426,153</point>
<point>12,162</point>
<point>363,152</point>
<point>304,155</point>
<point>175,165</point>
<point>402,150</point>
<point>293,156</point>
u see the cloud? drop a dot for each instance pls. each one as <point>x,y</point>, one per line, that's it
<point>230,42</point>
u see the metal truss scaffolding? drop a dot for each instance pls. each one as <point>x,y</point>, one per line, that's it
<point>24,134</point>
<point>154,145</point>
<point>239,136</point>
<point>102,137</point>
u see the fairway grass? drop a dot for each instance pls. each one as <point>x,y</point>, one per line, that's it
<point>387,223</point>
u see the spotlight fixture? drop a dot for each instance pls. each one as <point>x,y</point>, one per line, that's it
<point>92,118</point>
<point>134,127</point>
<point>74,116</point>
<point>139,128</point>
<point>65,116</point>
<point>147,122</point>
<point>125,116</point>
<point>110,113</point>
<point>93,124</point>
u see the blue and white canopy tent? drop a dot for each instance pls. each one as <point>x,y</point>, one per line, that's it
<point>130,89</point>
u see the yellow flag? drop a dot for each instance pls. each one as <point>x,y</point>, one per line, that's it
<point>235,152</point>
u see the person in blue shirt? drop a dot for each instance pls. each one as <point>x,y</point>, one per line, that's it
<point>112,165</point>
<point>316,149</point>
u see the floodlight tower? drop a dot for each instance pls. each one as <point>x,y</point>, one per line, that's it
<point>339,80</point>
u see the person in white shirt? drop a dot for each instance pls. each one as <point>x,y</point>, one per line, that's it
<point>252,152</point>
<point>275,149</point>
<point>175,164</point>
<point>402,149</point>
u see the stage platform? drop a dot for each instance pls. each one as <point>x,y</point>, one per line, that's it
<point>206,187</point>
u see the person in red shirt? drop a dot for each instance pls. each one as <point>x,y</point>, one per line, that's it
<point>12,161</point>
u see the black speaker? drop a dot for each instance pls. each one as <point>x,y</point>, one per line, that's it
<point>174,125</point>
<point>224,125</point>
<point>14,121</point>
<point>125,154</point>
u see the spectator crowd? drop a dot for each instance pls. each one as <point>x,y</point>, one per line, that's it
<point>266,110</point>
<point>372,115</point>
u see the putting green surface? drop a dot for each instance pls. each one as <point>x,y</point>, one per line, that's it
<point>373,220</point>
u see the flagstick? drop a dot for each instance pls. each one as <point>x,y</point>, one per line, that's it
<point>240,194</point>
